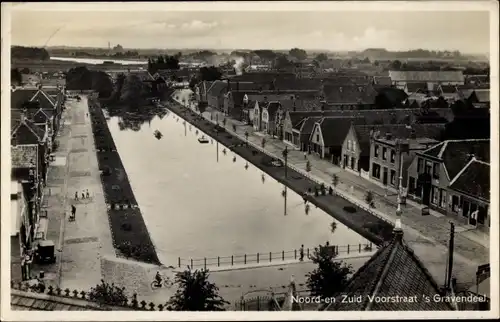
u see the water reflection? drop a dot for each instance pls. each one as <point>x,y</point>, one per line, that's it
<point>198,202</point>
<point>132,118</point>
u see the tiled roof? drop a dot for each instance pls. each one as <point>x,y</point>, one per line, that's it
<point>473,180</point>
<point>21,96</point>
<point>335,129</point>
<point>456,153</point>
<point>262,77</point>
<point>382,80</point>
<point>363,132</point>
<point>26,132</point>
<point>430,76</point>
<point>483,95</point>
<point>297,84</point>
<point>394,270</point>
<point>349,94</point>
<point>345,80</point>
<point>307,128</point>
<point>217,87</point>
<point>448,89</point>
<point>243,86</point>
<point>417,87</point>
<point>23,156</point>
<point>30,301</point>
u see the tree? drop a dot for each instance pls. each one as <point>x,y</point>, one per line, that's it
<point>282,62</point>
<point>330,277</point>
<point>15,76</point>
<point>108,294</point>
<point>192,82</point>
<point>195,293</point>
<point>395,64</point>
<point>210,74</point>
<point>321,57</point>
<point>297,53</point>
<point>20,52</point>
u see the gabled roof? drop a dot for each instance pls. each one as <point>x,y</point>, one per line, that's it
<point>45,100</point>
<point>417,87</point>
<point>217,88</point>
<point>393,271</point>
<point>23,156</point>
<point>427,76</point>
<point>483,95</point>
<point>272,108</point>
<point>473,180</point>
<point>349,94</point>
<point>26,132</point>
<point>448,89</point>
<point>308,125</point>
<point>335,129</point>
<point>21,96</point>
<point>455,154</point>
<point>364,132</point>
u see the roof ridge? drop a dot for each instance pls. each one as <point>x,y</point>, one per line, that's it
<point>443,148</point>
<point>462,171</point>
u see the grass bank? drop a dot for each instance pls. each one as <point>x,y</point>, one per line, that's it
<point>130,235</point>
<point>364,223</point>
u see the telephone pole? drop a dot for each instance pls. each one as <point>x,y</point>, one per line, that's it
<point>450,256</point>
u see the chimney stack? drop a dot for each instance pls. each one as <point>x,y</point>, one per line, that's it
<point>398,230</point>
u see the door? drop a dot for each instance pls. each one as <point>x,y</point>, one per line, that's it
<point>465,209</point>
<point>473,214</point>
<point>345,161</point>
<point>384,177</point>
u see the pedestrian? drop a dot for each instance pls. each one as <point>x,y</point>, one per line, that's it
<point>305,155</point>
<point>302,253</point>
<point>73,212</point>
<point>87,194</point>
<point>76,195</point>
<point>83,195</point>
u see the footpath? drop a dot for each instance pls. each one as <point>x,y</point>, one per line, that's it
<point>428,236</point>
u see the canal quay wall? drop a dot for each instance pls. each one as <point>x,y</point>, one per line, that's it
<point>130,235</point>
<point>374,229</point>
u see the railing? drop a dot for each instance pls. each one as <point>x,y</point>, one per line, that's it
<point>268,257</point>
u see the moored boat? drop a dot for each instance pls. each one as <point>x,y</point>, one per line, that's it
<point>203,139</point>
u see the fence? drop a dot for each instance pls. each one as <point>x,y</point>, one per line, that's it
<point>269,257</point>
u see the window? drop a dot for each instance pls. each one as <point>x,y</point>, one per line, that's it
<point>375,151</point>
<point>393,156</point>
<point>435,195</point>
<point>353,146</point>
<point>393,177</point>
<point>455,204</point>
<point>435,170</point>
<point>349,144</point>
<point>442,199</point>
<point>376,170</point>
<point>317,138</point>
<point>353,163</point>
<point>384,153</point>
<point>420,165</point>
<point>428,167</point>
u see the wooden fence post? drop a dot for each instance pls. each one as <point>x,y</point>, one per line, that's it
<point>282,255</point>
<point>232,260</point>
<point>257,258</point>
<point>270,256</point>
<point>218,261</point>
<point>205,262</point>
<point>245,258</point>
<point>191,263</point>
<point>295,253</point>
<point>348,248</point>
<point>360,248</point>
<point>179,262</point>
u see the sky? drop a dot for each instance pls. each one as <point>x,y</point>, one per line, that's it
<point>466,31</point>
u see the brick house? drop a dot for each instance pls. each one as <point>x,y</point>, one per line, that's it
<point>433,170</point>
<point>356,148</point>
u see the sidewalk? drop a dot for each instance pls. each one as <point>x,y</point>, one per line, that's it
<point>428,235</point>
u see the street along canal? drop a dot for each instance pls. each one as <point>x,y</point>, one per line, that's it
<point>196,206</point>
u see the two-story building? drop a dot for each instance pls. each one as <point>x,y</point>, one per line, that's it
<point>215,94</point>
<point>432,78</point>
<point>432,171</point>
<point>390,157</point>
<point>21,236</point>
<point>357,145</point>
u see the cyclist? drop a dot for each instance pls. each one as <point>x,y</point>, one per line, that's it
<point>158,278</point>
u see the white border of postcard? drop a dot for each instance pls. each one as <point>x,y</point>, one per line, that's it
<point>491,6</point>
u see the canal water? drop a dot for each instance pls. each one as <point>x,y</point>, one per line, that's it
<point>196,207</point>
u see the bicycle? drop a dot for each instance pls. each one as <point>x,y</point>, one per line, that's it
<point>166,281</point>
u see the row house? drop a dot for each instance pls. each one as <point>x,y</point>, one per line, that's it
<point>433,78</point>
<point>357,145</point>
<point>438,176</point>
<point>22,227</point>
<point>293,119</point>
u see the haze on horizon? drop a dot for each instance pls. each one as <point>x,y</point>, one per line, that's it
<point>466,31</point>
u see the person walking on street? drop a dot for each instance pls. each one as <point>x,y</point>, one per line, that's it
<point>83,195</point>
<point>302,253</point>
<point>305,155</point>
<point>87,195</point>
<point>76,195</point>
<point>73,212</point>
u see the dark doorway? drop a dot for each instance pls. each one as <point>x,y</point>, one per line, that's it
<point>482,214</point>
<point>345,161</point>
<point>384,177</point>
<point>424,182</point>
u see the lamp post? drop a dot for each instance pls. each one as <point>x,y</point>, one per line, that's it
<point>285,155</point>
